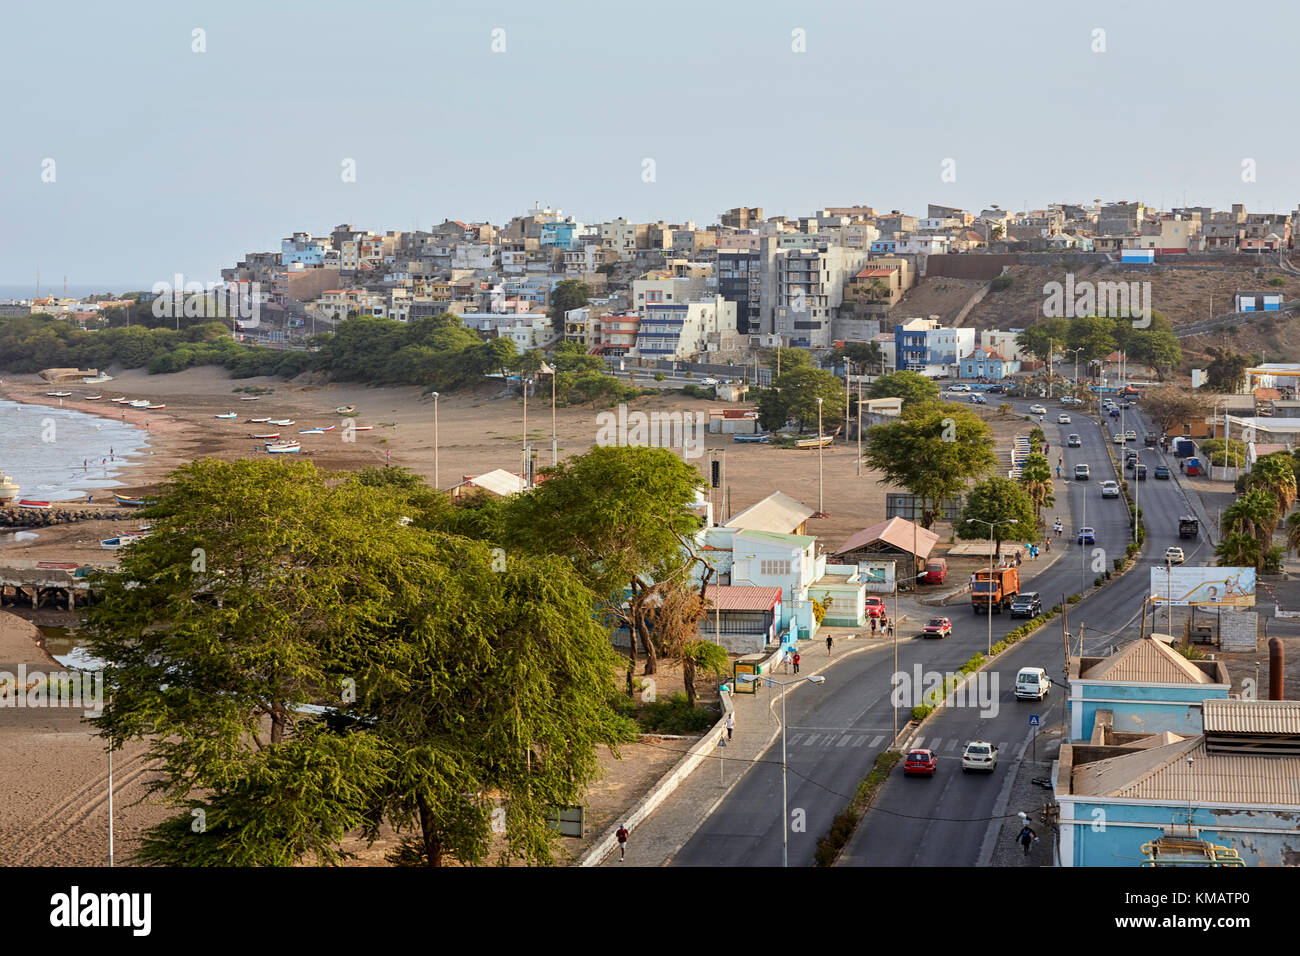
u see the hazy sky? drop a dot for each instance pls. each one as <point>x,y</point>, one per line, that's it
<point>169,160</point>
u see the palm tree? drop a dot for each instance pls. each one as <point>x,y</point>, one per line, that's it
<point>1275,475</point>
<point>1238,550</point>
<point>1036,479</point>
<point>1293,532</point>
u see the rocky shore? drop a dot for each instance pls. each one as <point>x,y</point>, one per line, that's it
<point>41,518</point>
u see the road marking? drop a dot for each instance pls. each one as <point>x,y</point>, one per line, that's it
<point>844,740</point>
<point>952,745</point>
<point>1001,745</point>
<point>934,744</point>
<point>859,741</point>
<point>919,744</point>
<point>793,739</point>
<point>876,742</point>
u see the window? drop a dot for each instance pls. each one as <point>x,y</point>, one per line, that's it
<point>775,567</point>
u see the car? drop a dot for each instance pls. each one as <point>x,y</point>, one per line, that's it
<point>1074,441</point>
<point>1071,400</point>
<point>1175,555</point>
<point>1085,536</point>
<point>1081,472</point>
<point>875,606</point>
<point>977,399</point>
<point>959,388</point>
<point>979,755</point>
<point>1037,410</point>
<point>1027,604</point>
<point>1032,683</point>
<point>1140,471</point>
<point>1130,435</point>
<point>708,381</point>
<point>1063,419</point>
<point>1162,472</point>
<point>1117,439</point>
<point>997,389</point>
<point>1126,404</point>
<point>1114,413</point>
<point>940,627</point>
<point>1110,489</point>
<point>921,763</point>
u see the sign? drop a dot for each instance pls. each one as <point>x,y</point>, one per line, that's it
<point>909,507</point>
<point>1203,587</point>
<point>1033,720</point>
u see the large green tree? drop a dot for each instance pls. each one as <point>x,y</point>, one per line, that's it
<point>794,397</point>
<point>1036,479</point>
<point>1043,338</point>
<point>911,387</point>
<point>1226,371</point>
<point>567,294</point>
<point>1003,504</point>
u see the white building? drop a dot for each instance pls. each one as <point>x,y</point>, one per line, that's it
<point>682,330</point>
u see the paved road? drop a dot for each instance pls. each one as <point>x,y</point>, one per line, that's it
<point>950,819</point>
<point>836,729</point>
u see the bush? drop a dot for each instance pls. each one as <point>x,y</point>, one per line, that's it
<point>1096,582</point>
<point>829,846</point>
<point>1118,562</point>
<point>675,716</point>
<point>921,711</point>
<point>1276,281</point>
<point>1074,599</point>
<point>659,376</point>
<point>1001,282</point>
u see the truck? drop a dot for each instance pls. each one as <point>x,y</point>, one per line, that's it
<point>996,586</point>
<point>1184,447</point>
<point>1187,527</point>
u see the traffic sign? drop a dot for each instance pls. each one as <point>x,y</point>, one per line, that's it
<point>1033,720</point>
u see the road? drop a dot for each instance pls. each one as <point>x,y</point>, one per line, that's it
<point>950,819</point>
<point>836,729</point>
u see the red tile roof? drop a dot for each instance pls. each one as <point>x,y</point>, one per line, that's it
<point>735,597</point>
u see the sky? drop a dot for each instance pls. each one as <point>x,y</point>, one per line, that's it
<point>128,154</point>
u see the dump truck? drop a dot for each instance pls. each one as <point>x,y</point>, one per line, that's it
<point>996,585</point>
<point>1187,527</point>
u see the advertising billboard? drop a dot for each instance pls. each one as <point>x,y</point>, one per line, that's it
<point>1203,587</point>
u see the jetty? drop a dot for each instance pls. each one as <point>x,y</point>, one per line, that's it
<point>38,584</point>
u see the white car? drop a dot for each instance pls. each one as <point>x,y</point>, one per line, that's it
<point>1130,435</point>
<point>1117,439</point>
<point>1032,683</point>
<point>959,388</point>
<point>1037,410</point>
<point>979,755</point>
<point>1175,555</point>
<point>709,381</point>
<point>1110,489</point>
<point>1062,419</point>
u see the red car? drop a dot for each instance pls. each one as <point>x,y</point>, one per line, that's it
<point>922,762</point>
<point>875,606</point>
<point>937,627</point>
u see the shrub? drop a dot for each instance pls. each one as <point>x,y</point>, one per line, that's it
<point>675,716</point>
<point>659,376</point>
<point>1276,281</point>
<point>921,711</point>
<point>1096,582</point>
<point>1074,599</point>
<point>1118,562</point>
<point>829,846</point>
<point>1001,282</point>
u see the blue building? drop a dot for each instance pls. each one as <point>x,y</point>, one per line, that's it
<point>561,235</point>
<point>301,247</point>
<point>985,362</point>
<point>1226,795</point>
<point>881,247</point>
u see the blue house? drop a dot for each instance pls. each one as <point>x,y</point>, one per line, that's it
<point>1146,687</point>
<point>562,235</point>
<point>1228,795</point>
<point>987,363</point>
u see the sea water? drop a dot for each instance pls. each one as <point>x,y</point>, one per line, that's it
<point>61,454</point>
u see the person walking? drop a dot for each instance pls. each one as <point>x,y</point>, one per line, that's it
<point>1026,836</point>
<point>1047,544</point>
<point>622,841</point>
<point>785,661</point>
<point>829,643</point>
<point>1058,527</point>
<point>1017,558</point>
<point>1058,471</point>
<point>797,658</point>
<point>873,627</point>
<point>731,724</point>
<point>891,628</point>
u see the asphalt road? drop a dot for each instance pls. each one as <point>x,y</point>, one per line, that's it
<point>949,819</point>
<point>836,729</point>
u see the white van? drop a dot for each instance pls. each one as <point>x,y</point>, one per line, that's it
<point>1032,683</point>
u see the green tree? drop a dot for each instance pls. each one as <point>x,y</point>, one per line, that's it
<point>1274,475</point>
<point>868,356</point>
<point>800,389</point>
<point>1255,515</point>
<point>572,357</point>
<point>911,387</point>
<point>786,359</point>
<point>1036,479</point>
<point>932,452</point>
<point>1095,335</point>
<point>567,294</point>
<point>1042,338</point>
<point>997,499</point>
<point>1226,371</point>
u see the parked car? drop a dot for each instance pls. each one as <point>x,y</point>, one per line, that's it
<point>979,755</point>
<point>1175,555</point>
<point>936,570</point>
<point>1037,410</point>
<point>1073,441</point>
<point>977,399</point>
<point>921,763</point>
<point>1162,471</point>
<point>1062,419</point>
<point>1027,604</point>
<point>1085,536</point>
<point>708,381</point>
<point>875,606</point>
<point>1110,489</point>
<point>1032,683</point>
<point>959,388</point>
<point>997,389</point>
<point>1081,472</point>
<point>937,627</point>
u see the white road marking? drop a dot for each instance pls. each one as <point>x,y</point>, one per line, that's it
<point>844,740</point>
<point>876,742</point>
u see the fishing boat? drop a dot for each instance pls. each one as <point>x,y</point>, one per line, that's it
<point>821,442</point>
<point>346,409</point>
<point>139,403</point>
<point>119,401</point>
<point>154,408</point>
<point>130,502</point>
<point>96,379</point>
<point>363,428</point>
<point>58,394</point>
<point>227,415</point>
<point>258,421</point>
<point>267,435</point>
<point>8,489</point>
<point>280,421</point>
<point>111,544</point>
<point>30,503</point>
<point>312,431</point>
<point>752,438</point>
<point>248,398</point>
<point>283,448</point>
<point>92,398</point>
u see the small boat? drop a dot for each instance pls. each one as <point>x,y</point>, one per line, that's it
<point>8,488</point>
<point>95,380</point>
<point>120,401</point>
<point>821,442</point>
<point>139,403</point>
<point>227,415</point>
<point>283,448</point>
<point>752,438</point>
<point>58,394</point>
<point>91,398</point>
<point>363,428</point>
<point>30,503</point>
<point>258,421</point>
<point>154,408</point>
<point>248,398</point>
<point>346,409</point>
<point>111,544</point>
<point>280,421</point>
<point>267,435</point>
<point>131,502</point>
<point>312,431</point>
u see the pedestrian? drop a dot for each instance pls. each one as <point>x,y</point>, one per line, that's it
<point>622,841</point>
<point>797,659</point>
<point>1058,527</point>
<point>873,627</point>
<point>84,464</point>
<point>1017,557</point>
<point>1047,544</point>
<point>731,724</point>
<point>785,661</point>
<point>1180,466</point>
<point>829,643</point>
<point>1026,836</point>
<point>891,628</point>
<point>1058,471</point>
<point>1047,448</point>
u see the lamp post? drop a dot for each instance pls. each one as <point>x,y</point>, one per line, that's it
<point>859,425</point>
<point>1169,591</point>
<point>785,809</point>
<point>1076,352</point>
<point>436,483</point>
<point>992,525</point>
<point>820,508</point>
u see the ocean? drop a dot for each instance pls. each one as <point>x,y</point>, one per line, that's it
<point>58,454</point>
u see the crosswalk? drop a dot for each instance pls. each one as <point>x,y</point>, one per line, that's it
<point>937,744</point>
<point>834,738</point>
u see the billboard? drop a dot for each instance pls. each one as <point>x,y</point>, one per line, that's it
<point>1203,587</point>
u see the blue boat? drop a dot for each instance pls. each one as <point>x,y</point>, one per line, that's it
<point>762,439</point>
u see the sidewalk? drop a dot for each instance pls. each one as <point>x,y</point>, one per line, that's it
<point>656,840</point>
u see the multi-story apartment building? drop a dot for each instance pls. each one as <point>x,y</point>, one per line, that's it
<point>740,281</point>
<point>923,345</point>
<point>301,247</point>
<point>741,217</point>
<point>810,286</point>
<point>619,237</point>
<point>682,330</point>
<point>618,333</point>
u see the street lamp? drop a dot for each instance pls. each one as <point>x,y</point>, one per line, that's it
<point>820,509</point>
<point>435,440</point>
<point>785,809</point>
<point>1076,352</point>
<point>992,525</point>
<point>1169,591</point>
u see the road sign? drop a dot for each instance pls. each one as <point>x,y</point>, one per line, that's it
<point>1033,720</point>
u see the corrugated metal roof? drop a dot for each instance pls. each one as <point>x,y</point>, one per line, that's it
<point>1251,716</point>
<point>897,532</point>
<point>1162,773</point>
<point>777,512</point>
<point>800,541</point>
<point>738,597</point>
<point>499,482</point>
<point>1147,661</point>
